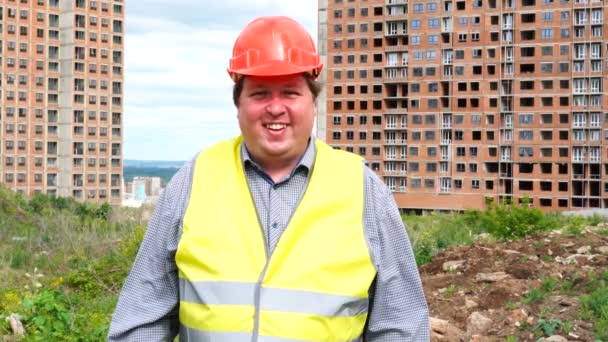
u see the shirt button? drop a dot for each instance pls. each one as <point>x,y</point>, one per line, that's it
<point>275,225</point>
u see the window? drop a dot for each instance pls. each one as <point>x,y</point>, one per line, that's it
<point>475,183</point>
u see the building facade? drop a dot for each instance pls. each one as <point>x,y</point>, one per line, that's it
<point>61,100</point>
<point>460,103</point>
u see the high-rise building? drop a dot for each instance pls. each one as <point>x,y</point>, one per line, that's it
<point>61,100</point>
<point>459,103</point>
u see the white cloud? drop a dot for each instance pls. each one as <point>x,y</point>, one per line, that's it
<point>177,92</point>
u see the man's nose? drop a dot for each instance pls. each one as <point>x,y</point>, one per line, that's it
<point>275,106</point>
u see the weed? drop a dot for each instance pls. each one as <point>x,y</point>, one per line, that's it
<point>594,307</point>
<point>595,219</point>
<point>450,291</point>
<point>547,326</point>
<point>511,338</point>
<point>510,305</point>
<point>536,295</point>
<point>549,284</point>
<point>566,327</point>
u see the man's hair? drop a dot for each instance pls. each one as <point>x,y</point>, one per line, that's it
<point>313,85</point>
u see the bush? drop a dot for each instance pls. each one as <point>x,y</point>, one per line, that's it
<point>513,221</point>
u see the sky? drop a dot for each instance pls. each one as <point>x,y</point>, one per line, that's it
<point>178,96</point>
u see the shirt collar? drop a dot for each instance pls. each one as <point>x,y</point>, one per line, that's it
<point>306,161</point>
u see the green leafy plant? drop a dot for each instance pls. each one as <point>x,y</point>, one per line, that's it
<point>547,326</point>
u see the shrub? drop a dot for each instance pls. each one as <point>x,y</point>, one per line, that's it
<point>513,221</point>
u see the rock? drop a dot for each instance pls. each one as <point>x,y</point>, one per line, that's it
<point>518,315</point>
<point>602,249</point>
<point>568,260</point>
<point>16,325</point>
<point>530,320</point>
<point>568,244</point>
<point>564,301</point>
<point>478,324</point>
<point>469,304</point>
<point>443,331</point>
<point>491,277</point>
<point>554,338</point>
<point>453,265</point>
<point>483,236</point>
<point>583,250</point>
<point>510,251</point>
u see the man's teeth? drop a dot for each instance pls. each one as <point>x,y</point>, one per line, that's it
<point>276,126</point>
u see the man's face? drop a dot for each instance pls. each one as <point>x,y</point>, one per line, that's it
<point>276,116</point>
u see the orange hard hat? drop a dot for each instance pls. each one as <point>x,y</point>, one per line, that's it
<point>272,46</point>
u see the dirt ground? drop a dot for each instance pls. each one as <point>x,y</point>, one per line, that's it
<point>481,296</point>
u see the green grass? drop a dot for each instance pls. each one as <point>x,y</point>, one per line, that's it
<point>594,305</point>
<point>432,232</point>
<point>63,264</point>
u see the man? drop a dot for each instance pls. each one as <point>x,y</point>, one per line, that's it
<point>274,236</point>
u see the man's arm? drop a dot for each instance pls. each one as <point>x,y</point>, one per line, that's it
<point>148,305</point>
<point>398,310</point>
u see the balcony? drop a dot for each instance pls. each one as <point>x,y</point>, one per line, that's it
<point>578,159</point>
<point>395,33</point>
<point>395,2</point>
<point>395,111</point>
<point>395,173</point>
<point>448,61</point>
<point>579,124</point>
<point>580,21</point>
<point>399,47</point>
<point>395,79</point>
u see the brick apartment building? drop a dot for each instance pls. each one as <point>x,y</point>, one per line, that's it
<point>457,103</point>
<point>61,99</point>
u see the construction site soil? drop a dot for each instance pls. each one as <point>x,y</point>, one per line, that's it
<point>523,290</point>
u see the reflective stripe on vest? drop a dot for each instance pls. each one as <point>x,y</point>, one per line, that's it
<point>287,300</point>
<point>314,285</point>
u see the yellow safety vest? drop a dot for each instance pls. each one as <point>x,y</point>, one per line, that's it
<point>314,286</point>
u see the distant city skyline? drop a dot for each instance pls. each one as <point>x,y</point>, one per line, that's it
<point>177,92</point>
